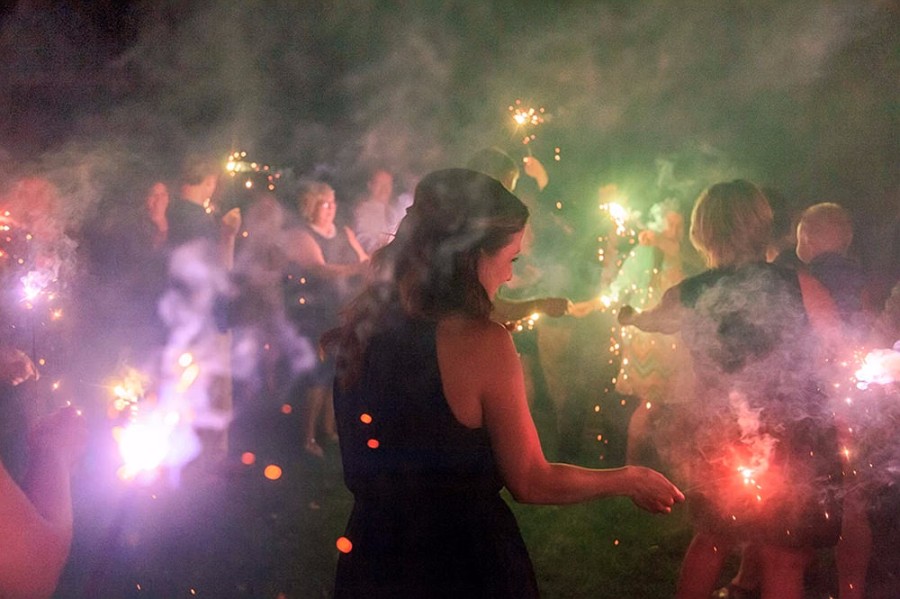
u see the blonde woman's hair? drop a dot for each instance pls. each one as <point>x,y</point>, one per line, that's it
<point>731,224</point>
<point>309,196</point>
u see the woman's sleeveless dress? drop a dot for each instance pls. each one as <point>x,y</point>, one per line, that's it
<point>427,520</point>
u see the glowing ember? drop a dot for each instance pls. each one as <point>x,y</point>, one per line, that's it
<point>344,545</point>
<point>272,472</point>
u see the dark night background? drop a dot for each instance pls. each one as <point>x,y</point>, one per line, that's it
<point>660,98</point>
<point>801,96</point>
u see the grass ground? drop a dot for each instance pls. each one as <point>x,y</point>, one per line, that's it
<point>238,534</point>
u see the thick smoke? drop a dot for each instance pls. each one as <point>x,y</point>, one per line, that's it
<point>659,98</point>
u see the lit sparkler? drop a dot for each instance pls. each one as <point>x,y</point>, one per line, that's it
<point>880,366</point>
<point>240,167</point>
<point>525,116</point>
<point>620,216</point>
<point>155,432</point>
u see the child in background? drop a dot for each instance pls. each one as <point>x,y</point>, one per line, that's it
<point>824,235</point>
<point>833,300</point>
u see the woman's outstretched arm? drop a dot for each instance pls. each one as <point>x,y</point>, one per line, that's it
<point>485,386</point>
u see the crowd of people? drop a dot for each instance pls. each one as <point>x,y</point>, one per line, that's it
<point>386,327</point>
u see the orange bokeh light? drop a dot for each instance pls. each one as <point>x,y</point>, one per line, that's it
<point>272,472</point>
<point>248,458</point>
<point>286,408</point>
<point>344,545</point>
<point>373,443</point>
<point>365,418</point>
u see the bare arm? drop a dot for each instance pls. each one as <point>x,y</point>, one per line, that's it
<point>665,317</point>
<point>354,243</point>
<point>511,310</point>
<point>36,522</point>
<point>303,249</point>
<point>494,385</point>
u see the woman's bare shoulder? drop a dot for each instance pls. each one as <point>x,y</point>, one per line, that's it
<point>476,342</point>
<point>466,329</point>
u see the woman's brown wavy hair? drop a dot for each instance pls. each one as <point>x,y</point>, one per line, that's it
<point>430,268</point>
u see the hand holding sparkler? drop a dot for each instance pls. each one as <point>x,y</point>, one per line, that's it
<point>231,222</point>
<point>536,170</point>
<point>553,306</point>
<point>652,491</point>
<point>16,366</point>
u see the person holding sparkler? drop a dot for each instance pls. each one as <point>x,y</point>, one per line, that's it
<point>761,449</point>
<point>198,235</point>
<point>497,164</point>
<point>653,364</point>
<point>432,414</point>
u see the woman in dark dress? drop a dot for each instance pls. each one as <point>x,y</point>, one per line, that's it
<point>432,415</point>
<point>760,447</point>
<point>324,268</point>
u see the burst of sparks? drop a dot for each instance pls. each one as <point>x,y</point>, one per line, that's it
<point>619,214</point>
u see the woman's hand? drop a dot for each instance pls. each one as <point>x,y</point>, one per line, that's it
<point>651,491</point>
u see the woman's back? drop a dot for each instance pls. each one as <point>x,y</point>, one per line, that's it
<point>428,519</point>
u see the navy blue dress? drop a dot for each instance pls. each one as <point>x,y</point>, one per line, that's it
<point>427,520</point>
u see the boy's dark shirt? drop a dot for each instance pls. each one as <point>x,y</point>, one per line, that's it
<point>189,221</point>
<point>844,280</point>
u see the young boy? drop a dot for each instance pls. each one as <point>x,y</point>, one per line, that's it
<point>824,235</point>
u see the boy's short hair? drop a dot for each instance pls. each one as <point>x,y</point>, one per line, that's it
<point>830,225</point>
<point>197,167</point>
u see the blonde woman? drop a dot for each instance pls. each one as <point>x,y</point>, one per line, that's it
<point>325,267</point>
